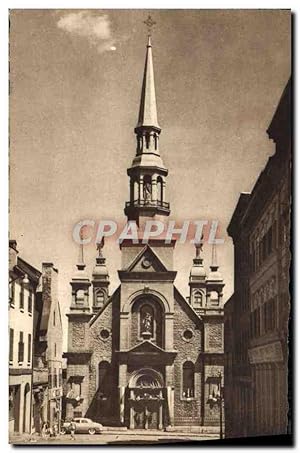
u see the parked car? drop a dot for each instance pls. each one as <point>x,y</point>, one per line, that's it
<point>83,425</point>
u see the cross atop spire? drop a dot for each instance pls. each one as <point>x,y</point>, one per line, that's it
<point>150,23</point>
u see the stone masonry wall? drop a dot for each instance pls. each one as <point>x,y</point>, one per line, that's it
<point>186,412</point>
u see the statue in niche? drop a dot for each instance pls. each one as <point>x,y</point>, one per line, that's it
<point>147,190</point>
<point>147,322</point>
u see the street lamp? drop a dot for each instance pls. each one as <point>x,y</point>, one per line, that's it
<point>216,399</point>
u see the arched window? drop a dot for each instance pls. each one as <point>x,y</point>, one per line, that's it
<point>104,378</point>
<point>147,137</point>
<point>188,380</point>
<point>198,299</point>
<point>160,189</point>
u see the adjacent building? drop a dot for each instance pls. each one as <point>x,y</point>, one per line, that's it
<point>257,314</point>
<point>47,363</point>
<point>145,357</point>
<point>23,283</point>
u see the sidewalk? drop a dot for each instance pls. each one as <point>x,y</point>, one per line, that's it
<point>115,435</point>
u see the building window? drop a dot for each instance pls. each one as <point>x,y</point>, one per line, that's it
<point>198,299</point>
<point>54,318</point>
<point>12,293</point>
<point>214,298</point>
<point>11,345</point>
<point>255,323</point>
<point>21,348</point>
<point>22,297</point>
<point>30,302</point>
<point>50,379</point>
<point>160,189</point>
<point>12,401</point>
<point>188,380</point>
<point>104,334</point>
<point>104,379</point>
<point>188,335</point>
<point>80,296</point>
<point>270,315</point>
<point>214,389</point>
<point>99,298</point>
<point>76,386</point>
<point>29,348</point>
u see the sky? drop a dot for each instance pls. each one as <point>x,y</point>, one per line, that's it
<point>75,82</point>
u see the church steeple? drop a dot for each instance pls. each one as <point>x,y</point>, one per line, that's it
<point>148,109</point>
<point>147,172</point>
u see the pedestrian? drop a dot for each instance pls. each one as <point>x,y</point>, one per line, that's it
<point>44,430</point>
<point>72,428</point>
<point>55,429</point>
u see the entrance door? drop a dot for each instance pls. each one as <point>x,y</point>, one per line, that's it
<point>145,417</point>
<point>145,400</point>
<point>151,417</point>
<point>139,417</point>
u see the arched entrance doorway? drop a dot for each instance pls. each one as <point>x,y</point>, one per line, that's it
<point>146,399</point>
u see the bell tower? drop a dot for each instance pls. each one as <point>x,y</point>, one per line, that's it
<point>215,285</point>
<point>197,281</point>
<point>100,280</point>
<point>147,172</point>
<point>80,284</point>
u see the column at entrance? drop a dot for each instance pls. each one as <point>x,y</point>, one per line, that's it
<point>170,393</point>
<point>122,387</point>
<point>131,410</point>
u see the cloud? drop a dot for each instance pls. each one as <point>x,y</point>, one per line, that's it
<point>93,27</point>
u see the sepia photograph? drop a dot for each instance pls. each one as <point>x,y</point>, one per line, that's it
<point>150,206</point>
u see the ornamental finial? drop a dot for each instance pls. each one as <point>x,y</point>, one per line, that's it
<point>199,247</point>
<point>100,246</point>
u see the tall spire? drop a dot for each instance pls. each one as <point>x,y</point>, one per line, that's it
<point>147,172</point>
<point>148,109</point>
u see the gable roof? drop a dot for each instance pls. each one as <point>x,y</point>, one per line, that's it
<point>146,249</point>
<point>109,300</point>
<point>33,273</point>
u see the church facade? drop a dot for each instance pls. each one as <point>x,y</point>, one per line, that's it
<point>145,357</point>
